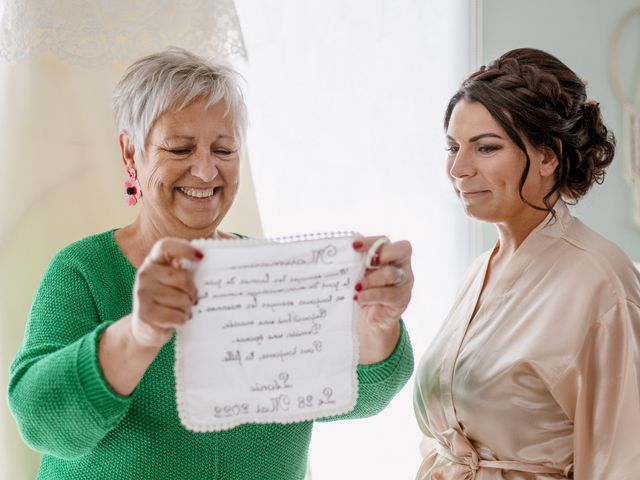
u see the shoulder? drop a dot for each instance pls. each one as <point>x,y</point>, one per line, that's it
<point>99,244</point>
<point>93,253</point>
<point>599,263</point>
<point>74,273</point>
<point>93,267</point>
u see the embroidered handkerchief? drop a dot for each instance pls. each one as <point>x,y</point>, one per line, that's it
<point>273,336</point>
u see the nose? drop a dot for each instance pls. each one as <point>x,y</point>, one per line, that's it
<point>204,166</point>
<point>461,165</point>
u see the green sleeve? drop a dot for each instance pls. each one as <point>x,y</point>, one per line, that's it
<point>380,382</point>
<point>57,393</point>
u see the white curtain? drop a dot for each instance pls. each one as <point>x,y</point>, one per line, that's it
<point>346,101</point>
<point>60,171</point>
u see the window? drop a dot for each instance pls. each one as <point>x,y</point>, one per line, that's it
<point>346,101</point>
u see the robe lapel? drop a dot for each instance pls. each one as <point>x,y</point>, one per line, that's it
<point>540,239</point>
<point>463,311</point>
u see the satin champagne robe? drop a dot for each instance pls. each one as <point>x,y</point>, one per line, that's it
<point>544,381</point>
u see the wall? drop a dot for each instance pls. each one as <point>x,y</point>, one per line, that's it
<point>579,33</point>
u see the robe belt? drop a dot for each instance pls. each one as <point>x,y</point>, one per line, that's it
<point>475,463</point>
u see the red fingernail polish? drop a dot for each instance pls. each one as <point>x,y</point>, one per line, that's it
<point>355,297</point>
<point>375,261</point>
<point>357,244</point>
<point>358,287</point>
<point>199,254</point>
<point>197,300</point>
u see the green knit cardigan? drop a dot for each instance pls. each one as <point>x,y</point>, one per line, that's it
<point>66,410</point>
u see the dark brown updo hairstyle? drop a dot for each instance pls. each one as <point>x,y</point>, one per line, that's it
<point>531,93</point>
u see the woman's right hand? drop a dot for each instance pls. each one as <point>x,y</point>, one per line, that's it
<point>164,292</point>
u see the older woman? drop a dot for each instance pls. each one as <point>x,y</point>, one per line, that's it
<point>535,373</point>
<point>92,387</point>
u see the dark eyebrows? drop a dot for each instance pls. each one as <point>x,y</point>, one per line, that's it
<point>475,138</point>
<point>483,135</point>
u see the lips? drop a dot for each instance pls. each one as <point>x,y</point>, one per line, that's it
<point>469,195</point>
<point>199,193</point>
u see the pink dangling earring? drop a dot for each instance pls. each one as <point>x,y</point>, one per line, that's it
<point>132,187</point>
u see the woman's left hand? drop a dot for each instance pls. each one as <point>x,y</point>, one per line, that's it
<point>383,294</point>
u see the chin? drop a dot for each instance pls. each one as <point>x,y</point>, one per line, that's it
<point>203,228</point>
<point>477,212</point>
<point>209,221</point>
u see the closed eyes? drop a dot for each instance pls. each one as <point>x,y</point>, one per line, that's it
<point>185,151</point>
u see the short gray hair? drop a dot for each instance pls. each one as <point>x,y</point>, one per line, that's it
<point>172,79</point>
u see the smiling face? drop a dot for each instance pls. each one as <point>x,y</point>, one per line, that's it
<point>189,171</point>
<point>485,167</point>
